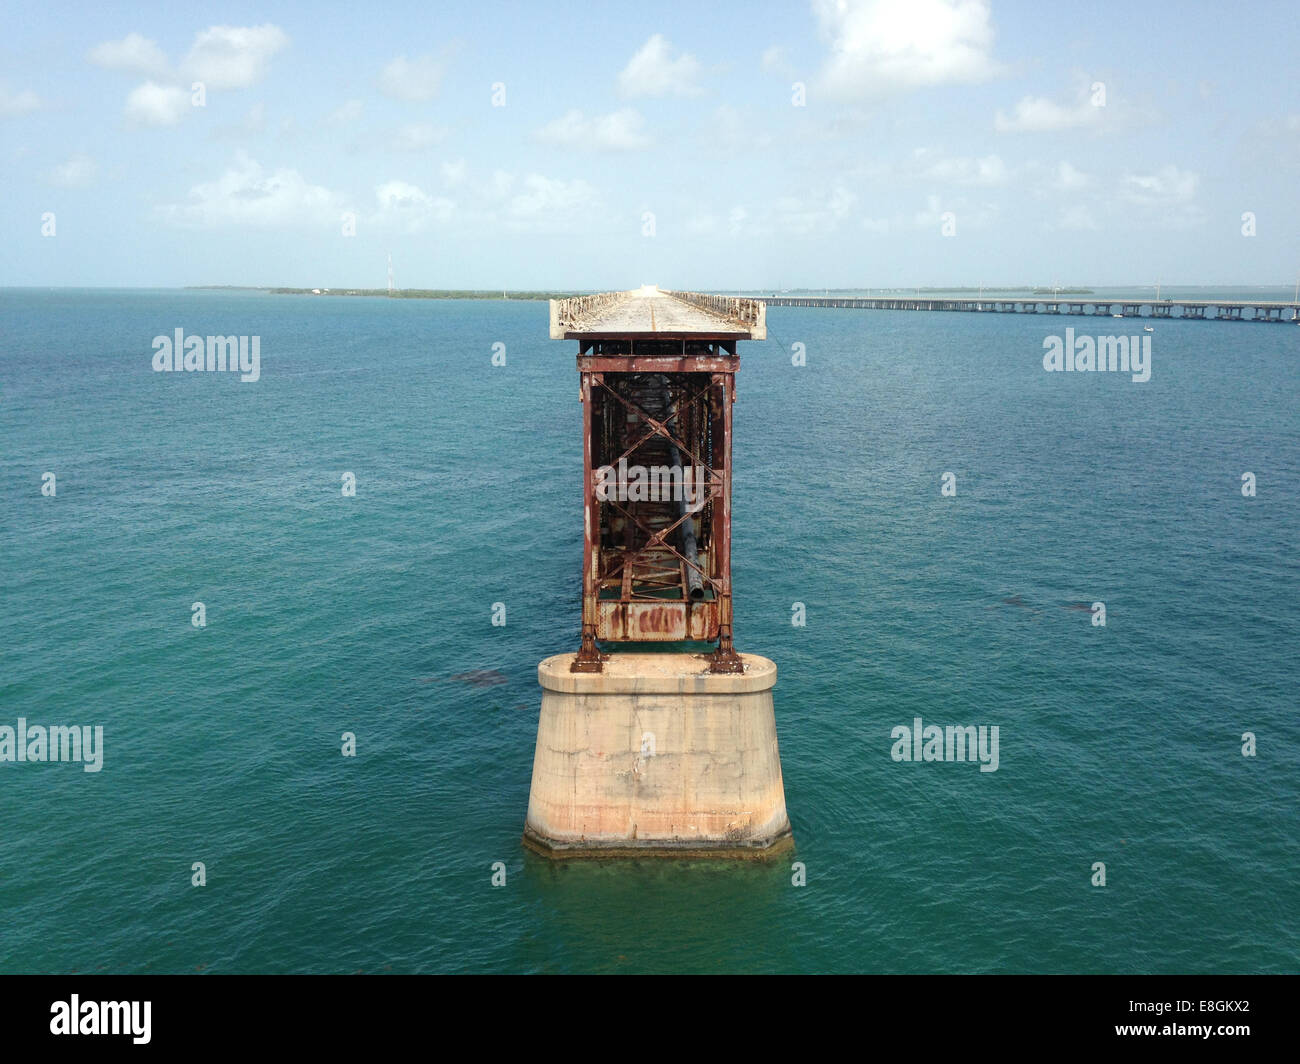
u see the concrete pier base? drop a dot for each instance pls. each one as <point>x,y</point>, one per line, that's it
<point>656,756</point>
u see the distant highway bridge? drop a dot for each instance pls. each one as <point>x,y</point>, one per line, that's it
<point>1195,309</point>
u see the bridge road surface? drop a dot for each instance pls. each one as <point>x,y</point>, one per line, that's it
<point>658,312</point>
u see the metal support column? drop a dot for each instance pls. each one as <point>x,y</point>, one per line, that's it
<point>725,658</point>
<point>588,658</point>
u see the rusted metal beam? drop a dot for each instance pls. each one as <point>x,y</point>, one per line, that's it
<point>647,334</point>
<point>620,364</point>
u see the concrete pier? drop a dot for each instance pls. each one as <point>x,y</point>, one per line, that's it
<point>657,756</point>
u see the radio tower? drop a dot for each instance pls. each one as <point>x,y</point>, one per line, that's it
<point>390,273</point>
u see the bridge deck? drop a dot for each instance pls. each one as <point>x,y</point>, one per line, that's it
<point>650,312</point>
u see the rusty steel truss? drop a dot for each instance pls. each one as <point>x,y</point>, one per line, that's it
<point>658,375</point>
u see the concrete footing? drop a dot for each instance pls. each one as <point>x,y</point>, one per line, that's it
<point>656,756</point>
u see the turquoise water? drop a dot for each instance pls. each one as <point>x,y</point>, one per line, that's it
<point>372,614</point>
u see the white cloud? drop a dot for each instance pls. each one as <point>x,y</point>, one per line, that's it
<point>134,53</point>
<point>654,71</point>
<point>417,136</point>
<point>702,225</point>
<point>246,195</point>
<point>1166,187</point>
<point>18,103</point>
<point>255,120</point>
<point>618,131</point>
<point>1068,179</point>
<point>709,224</point>
<point>346,113</point>
<point>1278,127</point>
<point>1167,197</point>
<point>882,46</point>
<point>221,57</point>
<point>412,80</point>
<point>252,124</point>
<point>13,104</point>
<point>775,61</point>
<point>410,206</point>
<point>1076,217</point>
<point>77,172</point>
<point>966,215</point>
<point>535,203</point>
<point>987,171</point>
<point>152,104</point>
<point>1037,114</point>
<point>821,212</point>
<point>233,57</point>
<point>553,204</point>
<point>545,194</point>
<point>453,173</point>
<point>398,195</point>
<point>839,201</point>
<point>729,131</point>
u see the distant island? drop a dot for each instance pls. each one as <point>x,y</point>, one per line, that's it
<point>396,293</point>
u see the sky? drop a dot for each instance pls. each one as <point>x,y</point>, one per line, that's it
<point>850,144</point>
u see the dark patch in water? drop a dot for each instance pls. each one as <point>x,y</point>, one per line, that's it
<point>1014,600</point>
<point>480,678</point>
<point>475,678</point>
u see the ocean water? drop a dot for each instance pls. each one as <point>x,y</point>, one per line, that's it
<point>372,614</point>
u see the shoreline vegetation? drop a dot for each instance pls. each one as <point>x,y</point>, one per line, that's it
<point>396,293</point>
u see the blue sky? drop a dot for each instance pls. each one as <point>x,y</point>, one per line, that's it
<point>936,143</point>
